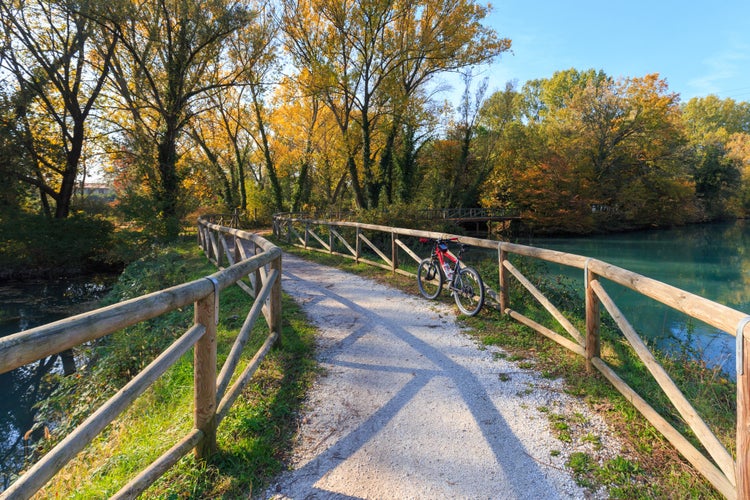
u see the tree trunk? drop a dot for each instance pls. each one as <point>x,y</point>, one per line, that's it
<point>359,197</point>
<point>386,164</point>
<point>300,188</point>
<point>169,183</point>
<point>68,362</point>
<point>270,167</point>
<point>72,158</point>
<point>406,164</point>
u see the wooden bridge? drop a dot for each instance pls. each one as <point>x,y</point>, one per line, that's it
<point>478,217</point>
<point>255,265</point>
<point>461,216</point>
<point>471,214</point>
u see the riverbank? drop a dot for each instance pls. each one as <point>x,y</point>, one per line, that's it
<point>252,438</point>
<point>24,305</point>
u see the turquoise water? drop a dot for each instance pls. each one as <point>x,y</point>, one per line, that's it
<point>24,305</point>
<point>710,260</point>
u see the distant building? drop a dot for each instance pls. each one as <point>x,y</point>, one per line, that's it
<point>100,190</point>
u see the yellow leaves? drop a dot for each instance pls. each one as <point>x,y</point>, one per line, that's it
<point>738,146</point>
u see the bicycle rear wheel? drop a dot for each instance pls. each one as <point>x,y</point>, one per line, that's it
<point>468,291</point>
<point>429,279</point>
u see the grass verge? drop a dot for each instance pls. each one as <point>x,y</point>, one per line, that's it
<point>648,466</point>
<point>252,440</point>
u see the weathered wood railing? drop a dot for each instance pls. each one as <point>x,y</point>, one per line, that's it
<point>730,477</point>
<point>470,213</point>
<point>246,254</point>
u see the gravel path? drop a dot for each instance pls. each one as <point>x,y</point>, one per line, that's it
<point>408,406</point>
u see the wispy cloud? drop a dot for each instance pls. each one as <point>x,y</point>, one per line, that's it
<point>722,70</point>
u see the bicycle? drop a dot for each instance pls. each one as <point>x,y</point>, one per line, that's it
<point>464,282</point>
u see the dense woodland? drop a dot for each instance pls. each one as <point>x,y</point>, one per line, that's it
<point>320,105</point>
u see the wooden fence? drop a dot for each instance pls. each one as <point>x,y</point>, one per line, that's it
<point>729,476</point>
<point>248,257</point>
<point>470,214</point>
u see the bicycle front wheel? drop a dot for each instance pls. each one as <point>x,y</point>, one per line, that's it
<point>468,291</point>
<point>429,278</point>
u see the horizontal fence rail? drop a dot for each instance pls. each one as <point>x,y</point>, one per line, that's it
<point>246,255</point>
<point>470,213</point>
<point>385,246</point>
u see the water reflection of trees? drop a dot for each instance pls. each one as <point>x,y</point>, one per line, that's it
<point>24,306</point>
<point>23,388</point>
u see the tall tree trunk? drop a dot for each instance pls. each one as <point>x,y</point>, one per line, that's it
<point>300,187</point>
<point>359,197</point>
<point>72,158</point>
<point>407,164</point>
<point>386,163</point>
<point>243,189</point>
<point>270,167</point>
<point>169,182</point>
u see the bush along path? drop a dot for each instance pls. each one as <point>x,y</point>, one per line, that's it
<point>408,406</point>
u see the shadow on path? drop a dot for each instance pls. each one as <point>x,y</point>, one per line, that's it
<point>326,293</point>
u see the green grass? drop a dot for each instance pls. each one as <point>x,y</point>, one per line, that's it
<point>652,468</point>
<point>254,438</point>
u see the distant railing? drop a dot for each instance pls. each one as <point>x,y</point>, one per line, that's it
<point>228,220</point>
<point>470,214</point>
<point>247,255</point>
<point>731,478</point>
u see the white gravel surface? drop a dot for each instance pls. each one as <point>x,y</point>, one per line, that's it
<point>408,406</point>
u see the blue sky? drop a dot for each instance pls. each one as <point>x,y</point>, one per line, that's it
<point>698,48</point>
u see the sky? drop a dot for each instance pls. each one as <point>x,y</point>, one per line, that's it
<point>699,48</point>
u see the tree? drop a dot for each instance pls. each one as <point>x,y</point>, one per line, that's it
<point>14,160</point>
<point>705,115</point>
<point>616,149</point>
<point>469,168</point>
<point>297,123</point>
<point>370,59</point>
<point>233,133</point>
<point>175,57</point>
<point>225,146</point>
<point>59,58</point>
<point>717,130</point>
<point>717,180</point>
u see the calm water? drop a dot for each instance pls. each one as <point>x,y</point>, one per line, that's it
<point>23,306</point>
<point>710,260</point>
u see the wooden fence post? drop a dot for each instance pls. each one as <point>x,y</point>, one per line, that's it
<point>743,412</point>
<point>502,256</point>
<point>592,319</point>
<point>307,233</point>
<point>219,249</point>
<point>358,246</point>
<point>237,252</point>
<point>394,253</point>
<point>205,375</point>
<point>330,239</point>
<point>275,300</point>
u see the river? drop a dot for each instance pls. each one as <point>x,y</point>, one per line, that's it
<point>24,305</point>
<point>710,260</point>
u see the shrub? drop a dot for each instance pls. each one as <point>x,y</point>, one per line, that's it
<point>33,244</point>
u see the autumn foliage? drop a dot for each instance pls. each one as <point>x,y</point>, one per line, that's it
<point>328,106</point>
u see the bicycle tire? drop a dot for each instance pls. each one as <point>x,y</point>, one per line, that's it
<point>429,279</point>
<point>468,290</point>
